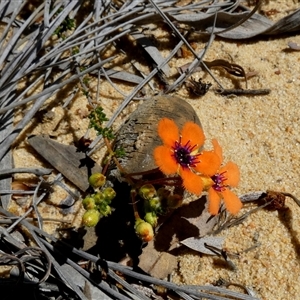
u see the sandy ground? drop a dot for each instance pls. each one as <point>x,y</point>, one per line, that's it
<point>261,134</point>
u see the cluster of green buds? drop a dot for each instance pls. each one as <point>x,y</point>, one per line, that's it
<point>97,204</point>
<point>156,202</point>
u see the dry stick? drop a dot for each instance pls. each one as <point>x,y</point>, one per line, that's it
<point>32,249</point>
<point>128,286</point>
<point>84,38</point>
<point>19,220</point>
<point>9,221</point>
<point>5,261</point>
<point>212,34</point>
<point>8,107</point>
<point>236,221</point>
<point>184,295</point>
<point>229,283</point>
<point>31,52</point>
<point>23,248</point>
<point>14,99</point>
<point>5,235</point>
<point>35,171</point>
<point>36,106</point>
<point>108,41</point>
<point>33,230</point>
<point>291,196</point>
<point>228,92</point>
<point>198,58</point>
<point>36,201</point>
<point>16,36</point>
<point>17,192</point>
<point>110,81</point>
<point>33,207</point>
<point>102,285</point>
<point>10,23</point>
<point>128,271</point>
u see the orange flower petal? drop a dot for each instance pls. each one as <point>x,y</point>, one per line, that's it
<point>168,131</point>
<point>232,202</point>
<point>209,163</point>
<point>193,133</point>
<point>217,149</point>
<point>232,174</point>
<point>191,181</point>
<point>214,201</point>
<point>164,160</point>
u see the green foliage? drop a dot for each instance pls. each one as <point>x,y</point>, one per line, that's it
<point>97,117</point>
<point>86,80</point>
<point>75,50</point>
<point>86,93</point>
<point>67,24</point>
<point>120,152</point>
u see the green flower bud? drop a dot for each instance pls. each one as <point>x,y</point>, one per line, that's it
<point>109,194</point>
<point>97,180</point>
<point>174,201</point>
<point>91,218</point>
<point>144,230</point>
<point>105,210</point>
<point>88,203</point>
<point>154,204</point>
<point>147,191</point>
<point>151,218</point>
<point>99,198</point>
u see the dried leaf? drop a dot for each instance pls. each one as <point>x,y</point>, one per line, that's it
<point>255,25</point>
<point>153,52</point>
<point>74,165</point>
<point>198,244</point>
<point>89,239</point>
<point>157,264</point>
<point>121,75</point>
<point>231,68</point>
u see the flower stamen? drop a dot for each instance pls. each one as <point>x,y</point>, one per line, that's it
<point>183,154</point>
<point>218,180</point>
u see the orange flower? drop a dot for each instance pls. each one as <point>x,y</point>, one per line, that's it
<point>227,176</point>
<point>180,154</point>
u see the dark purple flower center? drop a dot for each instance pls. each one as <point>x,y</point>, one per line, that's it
<point>183,156</point>
<point>218,180</point>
